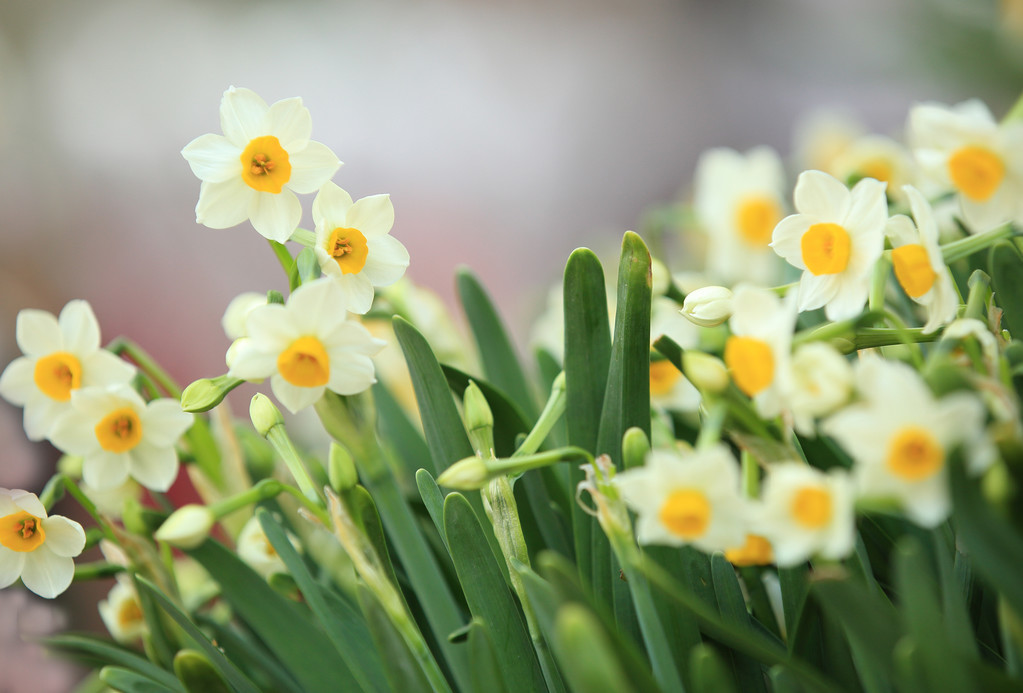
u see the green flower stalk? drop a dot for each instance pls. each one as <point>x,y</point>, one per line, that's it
<point>268,422</point>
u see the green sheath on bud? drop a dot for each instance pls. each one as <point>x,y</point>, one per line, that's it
<point>264,414</point>
<point>206,393</point>
<point>341,468</point>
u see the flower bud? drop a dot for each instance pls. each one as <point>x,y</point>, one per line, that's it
<point>479,419</point>
<point>206,393</point>
<point>187,527</point>
<point>238,311</point>
<point>465,475</point>
<point>341,468</point>
<point>264,414</point>
<point>708,373</point>
<point>708,306</point>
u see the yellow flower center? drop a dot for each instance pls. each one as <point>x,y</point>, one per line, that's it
<point>913,269</point>
<point>348,248</point>
<point>756,551</point>
<point>686,513</point>
<point>751,363</point>
<point>976,172</point>
<point>21,532</point>
<point>120,430</point>
<point>305,363</point>
<point>914,454</point>
<point>811,507</point>
<point>265,165</point>
<point>663,377</point>
<point>878,169</point>
<point>756,218</point>
<point>57,374</point>
<point>826,248</point>
<point>129,613</point>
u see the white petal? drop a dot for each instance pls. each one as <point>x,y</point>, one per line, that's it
<point>312,167</point>
<point>355,375</point>
<point>822,196</point>
<point>373,215</point>
<point>74,433</point>
<point>250,362</point>
<point>163,422</point>
<point>213,158</point>
<point>41,415</point>
<point>11,565</point>
<point>270,327</point>
<point>46,573</point>
<point>849,299</point>
<point>868,207</point>
<point>64,537</point>
<point>330,207</point>
<point>38,333</point>
<point>154,467</point>
<point>243,116</point>
<point>360,293</point>
<point>223,205</point>
<point>816,290</point>
<point>290,123</point>
<point>102,368</point>
<point>29,502</point>
<point>787,239</point>
<point>17,383</point>
<point>103,470</point>
<point>901,231</point>
<point>293,397</point>
<point>79,327</point>
<point>275,216</point>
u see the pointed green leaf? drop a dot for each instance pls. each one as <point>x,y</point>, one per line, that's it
<point>198,675</point>
<point>399,433</point>
<point>732,606</point>
<point>710,673</point>
<point>93,650</point>
<point>486,674</point>
<point>585,655</point>
<point>403,671</point>
<point>287,264</point>
<point>128,681</point>
<point>1006,269</point>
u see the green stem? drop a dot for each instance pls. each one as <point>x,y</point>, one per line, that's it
<point>89,507</point>
<point>712,424</point>
<point>304,237</point>
<point>750,476</point>
<point>146,363</point>
<point>278,437</point>
<point>980,289</point>
<point>958,249</point>
<point>550,415</point>
<point>871,337</point>
<point>96,570</point>
<point>879,281</point>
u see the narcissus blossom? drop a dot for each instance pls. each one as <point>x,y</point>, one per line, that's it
<point>119,435</point>
<point>691,499</point>
<point>821,381</point>
<point>122,613</point>
<point>836,238</point>
<point>255,168</point>
<point>60,355</point>
<point>36,547</point>
<point>307,347</point>
<point>353,243</point>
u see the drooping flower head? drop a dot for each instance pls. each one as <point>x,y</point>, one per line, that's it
<point>255,168</point>
<point>36,547</point>
<point>61,355</point>
<point>353,243</point>
<point>835,237</point>
<point>119,435</point>
<point>306,347</point>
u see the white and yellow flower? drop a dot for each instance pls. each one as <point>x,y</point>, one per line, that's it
<point>38,548</point>
<point>256,550</point>
<point>804,512</point>
<point>307,347</point>
<point>353,243</point>
<point>738,199</point>
<point>60,355</point>
<point>691,499</point>
<point>121,612</point>
<point>255,168</point>
<point>757,352</point>
<point>918,263</point>
<point>963,148</point>
<point>120,435</point>
<point>836,238</point>
<point>821,382</point>
<point>670,389</point>
<point>900,437</point>
<point>877,157</point>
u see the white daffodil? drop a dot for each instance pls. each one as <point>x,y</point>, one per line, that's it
<point>668,387</point>
<point>757,352</point>
<point>354,245</point>
<point>692,499</point>
<point>835,237</point>
<point>738,199</point>
<point>821,382</point>
<point>963,148</point>
<point>122,613</point>
<point>804,512</point>
<point>119,435</point>
<point>60,355</point>
<point>307,346</point>
<point>821,137</point>
<point>255,168</point>
<point>900,437</point>
<point>919,265</point>
<point>35,547</point>
<point>877,157</point>
<point>256,550</point>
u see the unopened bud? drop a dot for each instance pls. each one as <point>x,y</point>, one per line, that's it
<point>465,475</point>
<point>341,468</point>
<point>479,420</point>
<point>707,373</point>
<point>264,414</point>
<point>708,306</point>
<point>206,393</point>
<point>238,311</point>
<point>187,527</point>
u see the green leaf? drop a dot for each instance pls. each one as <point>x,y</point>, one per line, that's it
<point>403,670</point>
<point>286,629</point>
<point>489,598</point>
<point>500,363</point>
<point>1006,270</point>
<point>287,264</point>
<point>445,433</point>
<point>585,655</point>
<point>128,681</point>
<point>433,499</point>
<point>486,673</point>
<point>345,633</point>
<point>399,433</point>
<point>509,422</point>
<point>249,655</point>
<point>307,266</point>
<point>709,672</point>
<point>198,674</point>
<point>94,650</point>
<point>732,606</point>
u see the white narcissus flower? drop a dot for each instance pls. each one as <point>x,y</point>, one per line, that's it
<point>738,199</point>
<point>757,352</point>
<point>963,148</point>
<point>122,613</point>
<point>692,499</point>
<point>119,435</point>
<point>668,387</point>
<point>836,238</point>
<point>35,547</point>
<point>918,262</point>
<point>60,355</point>
<point>877,157</point>
<point>255,168</point>
<point>354,245</point>
<point>900,437</point>
<point>821,382</point>
<point>256,550</point>
<point>804,512</point>
<point>306,347</point>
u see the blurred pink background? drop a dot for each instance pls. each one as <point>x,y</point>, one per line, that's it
<point>507,133</point>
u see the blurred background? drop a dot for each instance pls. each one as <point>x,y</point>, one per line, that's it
<point>507,133</point>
